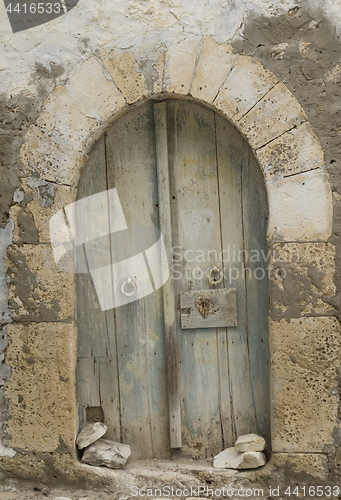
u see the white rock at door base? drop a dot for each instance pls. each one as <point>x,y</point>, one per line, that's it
<point>90,433</point>
<point>252,460</point>
<point>232,459</point>
<point>250,442</point>
<point>227,459</point>
<point>108,453</point>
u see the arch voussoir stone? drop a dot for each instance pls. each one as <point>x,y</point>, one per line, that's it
<point>275,114</point>
<point>294,152</point>
<point>180,63</point>
<point>247,83</point>
<point>214,64</point>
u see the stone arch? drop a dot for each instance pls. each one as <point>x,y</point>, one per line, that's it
<point>238,86</point>
<point>75,115</point>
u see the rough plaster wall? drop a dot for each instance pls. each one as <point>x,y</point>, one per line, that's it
<point>298,41</point>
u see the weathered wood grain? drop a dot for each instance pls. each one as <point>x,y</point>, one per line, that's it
<point>195,226</point>
<point>96,330</point>
<point>233,154</point>
<point>172,345</point>
<point>222,309</point>
<point>109,396</point>
<point>255,217</point>
<point>131,169</point>
<point>87,386</point>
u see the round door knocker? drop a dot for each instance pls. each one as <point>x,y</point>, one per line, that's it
<point>211,278</point>
<point>129,281</point>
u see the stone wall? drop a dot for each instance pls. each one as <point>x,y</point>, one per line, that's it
<point>272,68</point>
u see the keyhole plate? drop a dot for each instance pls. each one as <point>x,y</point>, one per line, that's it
<point>209,308</point>
<point>203,305</point>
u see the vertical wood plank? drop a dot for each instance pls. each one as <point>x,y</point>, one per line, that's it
<point>255,217</point>
<point>225,401</point>
<point>195,226</point>
<point>232,153</point>
<point>95,327</point>
<point>160,116</point>
<point>130,149</point>
<point>88,386</point>
<point>109,396</point>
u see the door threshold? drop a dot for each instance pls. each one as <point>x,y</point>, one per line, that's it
<point>178,464</point>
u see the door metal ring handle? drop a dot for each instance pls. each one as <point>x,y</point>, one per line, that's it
<point>211,279</point>
<point>129,281</point>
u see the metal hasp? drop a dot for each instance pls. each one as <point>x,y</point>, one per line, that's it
<point>222,308</point>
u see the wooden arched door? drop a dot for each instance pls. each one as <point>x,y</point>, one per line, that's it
<point>180,162</point>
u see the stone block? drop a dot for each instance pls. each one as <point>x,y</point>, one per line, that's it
<point>49,157</point>
<point>158,68</point>
<point>215,63</point>
<point>247,83</point>
<point>54,147</point>
<point>303,279</point>
<point>90,433</point>
<point>305,355</point>
<point>252,460</point>
<point>294,152</point>
<point>108,453</point>
<point>278,112</point>
<point>41,389</point>
<point>42,212</point>
<point>93,93</point>
<point>180,63</point>
<point>232,459</point>
<point>126,74</point>
<point>312,464</point>
<point>61,117</point>
<point>249,442</point>
<point>39,292</point>
<point>227,459</point>
<point>300,207</point>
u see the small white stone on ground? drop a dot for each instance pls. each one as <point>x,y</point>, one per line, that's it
<point>62,498</point>
<point>90,433</point>
<point>250,442</point>
<point>105,452</point>
<point>252,460</point>
<point>232,459</point>
<point>228,459</point>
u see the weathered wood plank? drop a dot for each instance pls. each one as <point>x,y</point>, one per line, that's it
<point>130,149</point>
<point>109,396</point>
<point>88,386</point>
<point>96,328</point>
<point>226,416</point>
<point>96,331</point>
<point>255,217</point>
<point>161,147</point>
<point>222,309</point>
<point>233,153</point>
<point>195,226</point>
